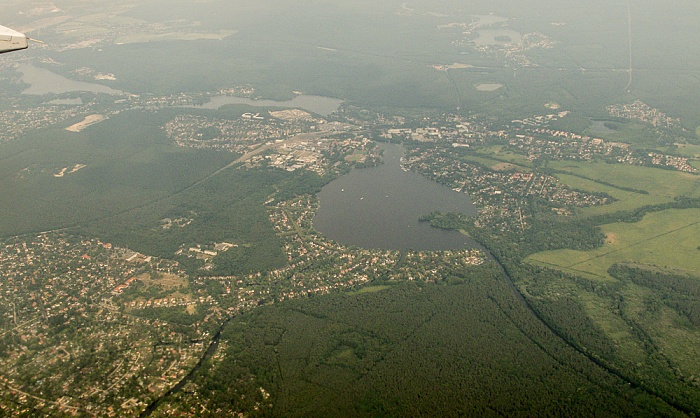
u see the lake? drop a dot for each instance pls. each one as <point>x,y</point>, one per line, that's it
<point>379,207</point>
<point>43,81</point>
<point>502,37</point>
<point>323,106</point>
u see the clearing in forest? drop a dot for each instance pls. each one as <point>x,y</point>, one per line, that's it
<point>669,240</point>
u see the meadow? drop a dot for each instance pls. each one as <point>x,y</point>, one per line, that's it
<point>669,240</point>
<point>662,185</point>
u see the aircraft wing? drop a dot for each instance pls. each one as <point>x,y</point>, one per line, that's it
<point>11,40</point>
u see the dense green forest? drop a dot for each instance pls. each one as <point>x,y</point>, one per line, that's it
<point>409,349</point>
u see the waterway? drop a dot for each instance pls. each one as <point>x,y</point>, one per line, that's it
<point>43,81</point>
<point>320,105</point>
<point>379,207</point>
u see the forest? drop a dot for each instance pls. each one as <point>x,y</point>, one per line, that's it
<point>408,349</point>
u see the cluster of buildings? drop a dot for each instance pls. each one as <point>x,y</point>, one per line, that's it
<point>234,135</point>
<point>66,346</point>
<point>288,140</point>
<point>643,112</point>
<point>499,194</point>
<point>537,142</point>
<point>318,265</point>
<point>14,123</point>
<point>295,155</point>
<point>506,45</point>
<point>668,161</point>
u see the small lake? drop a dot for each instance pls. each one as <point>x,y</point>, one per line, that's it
<point>323,106</point>
<point>502,37</point>
<point>379,207</point>
<point>43,81</point>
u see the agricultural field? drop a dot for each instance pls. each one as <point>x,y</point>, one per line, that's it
<point>685,150</point>
<point>669,239</point>
<point>637,134</point>
<point>662,185</point>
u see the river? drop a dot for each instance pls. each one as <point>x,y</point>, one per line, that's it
<point>379,207</point>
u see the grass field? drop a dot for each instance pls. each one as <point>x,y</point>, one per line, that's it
<point>355,157</point>
<point>598,310</point>
<point>686,150</point>
<point>662,185</point>
<point>166,281</point>
<point>500,155</point>
<point>678,342</point>
<point>668,239</point>
<point>632,132</point>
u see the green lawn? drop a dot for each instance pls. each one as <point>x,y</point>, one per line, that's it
<point>355,158</point>
<point>667,239</point>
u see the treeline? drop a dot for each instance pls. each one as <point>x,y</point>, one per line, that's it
<point>549,232</point>
<point>556,299</point>
<point>637,214</point>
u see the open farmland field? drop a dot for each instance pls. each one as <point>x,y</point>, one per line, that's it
<point>662,185</point>
<point>669,238</point>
